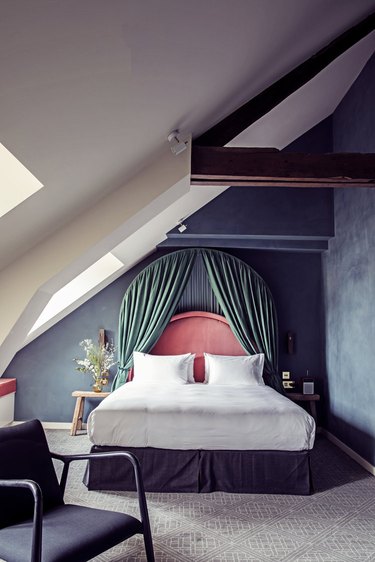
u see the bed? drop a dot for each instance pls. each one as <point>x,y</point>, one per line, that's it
<point>203,437</point>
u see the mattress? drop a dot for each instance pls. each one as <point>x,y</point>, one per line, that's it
<point>201,416</point>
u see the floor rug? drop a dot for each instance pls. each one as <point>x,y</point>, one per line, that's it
<point>335,524</point>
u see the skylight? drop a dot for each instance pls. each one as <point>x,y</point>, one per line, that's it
<point>79,286</point>
<point>17,183</point>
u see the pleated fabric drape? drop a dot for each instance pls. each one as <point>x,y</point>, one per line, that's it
<point>152,298</point>
<point>248,306</point>
<point>148,305</point>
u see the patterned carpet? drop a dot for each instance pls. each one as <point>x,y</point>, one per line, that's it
<point>336,524</point>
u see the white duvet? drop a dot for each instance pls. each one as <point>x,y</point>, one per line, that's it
<point>201,416</point>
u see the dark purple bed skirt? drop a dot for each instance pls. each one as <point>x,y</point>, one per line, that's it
<point>166,470</point>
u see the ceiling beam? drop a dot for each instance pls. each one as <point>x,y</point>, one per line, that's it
<point>250,112</point>
<point>270,167</point>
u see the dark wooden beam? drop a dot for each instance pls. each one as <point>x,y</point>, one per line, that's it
<point>242,118</point>
<point>270,167</point>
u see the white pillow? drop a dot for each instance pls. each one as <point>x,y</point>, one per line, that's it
<point>233,369</point>
<point>163,369</point>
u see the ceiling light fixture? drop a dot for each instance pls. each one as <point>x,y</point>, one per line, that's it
<point>177,142</point>
<point>182,227</point>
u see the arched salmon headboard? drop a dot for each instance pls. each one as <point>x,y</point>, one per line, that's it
<point>198,332</point>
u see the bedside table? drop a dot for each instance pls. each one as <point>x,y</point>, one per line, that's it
<point>310,398</point>
<point>80,404</point>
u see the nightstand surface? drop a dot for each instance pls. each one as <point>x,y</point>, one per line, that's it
<point>310,398</point>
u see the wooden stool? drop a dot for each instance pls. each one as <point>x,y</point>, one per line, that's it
<point>80,404</point>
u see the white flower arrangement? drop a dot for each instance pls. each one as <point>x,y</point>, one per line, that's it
<point>99,359</point>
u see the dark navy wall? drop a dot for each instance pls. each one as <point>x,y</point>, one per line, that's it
<point>45,371</point>
<point>353,122</point>
<point>350,282</point>
<point>318,140</point>
<point>294,279</point>
<point>46,374</point>
<point>266,211</point>
<point>276,213</point>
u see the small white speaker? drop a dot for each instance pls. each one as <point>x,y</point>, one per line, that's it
<point>308,387</point>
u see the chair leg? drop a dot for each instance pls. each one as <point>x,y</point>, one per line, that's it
<point>149,547</point>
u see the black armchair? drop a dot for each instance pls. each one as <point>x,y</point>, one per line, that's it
<point>36,524</point>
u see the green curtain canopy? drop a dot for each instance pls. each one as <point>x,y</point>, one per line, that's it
<point>152,298</point>
<point>148,305</point>
<point>248,306</point>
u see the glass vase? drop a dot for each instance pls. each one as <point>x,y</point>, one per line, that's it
<point>97,387</point>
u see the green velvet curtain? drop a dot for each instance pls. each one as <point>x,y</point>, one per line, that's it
<point>248,306</point>
<point>152,298</point>
<point>148,305</point>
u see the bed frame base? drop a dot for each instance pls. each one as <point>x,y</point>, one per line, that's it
<point>200,471</point>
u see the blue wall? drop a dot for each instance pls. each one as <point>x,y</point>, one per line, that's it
<point>46,374</point>
<point>272,212</point>
<point>271,217</point>
<point>349,281</point>
<point>339,336</point>
<point>294,279</point>
<point>44,369</point>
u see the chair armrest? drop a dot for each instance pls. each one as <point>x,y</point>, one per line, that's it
<point>67,459</point>
<point>36,545</point>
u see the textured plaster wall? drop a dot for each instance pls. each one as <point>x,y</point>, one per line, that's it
<point>46,374</point>
<point>349,279</point>
<point>273,211</point>
<point>45,371</point>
